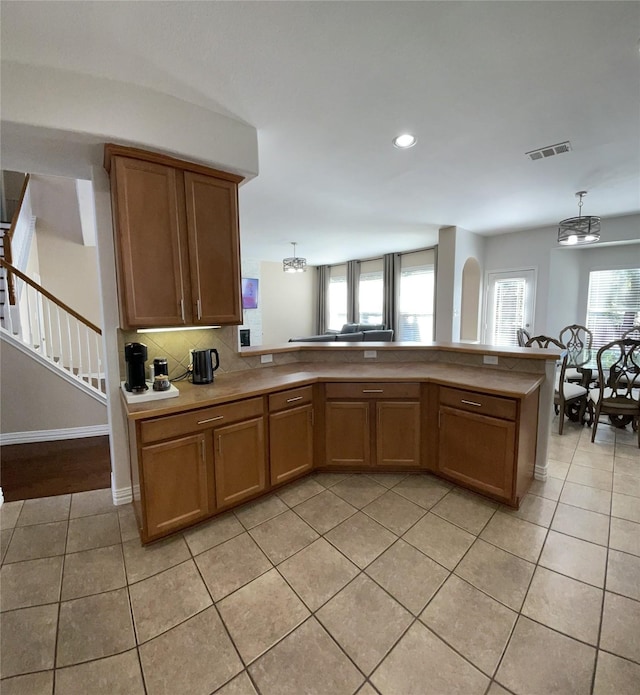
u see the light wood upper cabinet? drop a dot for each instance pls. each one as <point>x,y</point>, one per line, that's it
<point>148,243</point>
<point>177,240</point>
<point>212,224</point>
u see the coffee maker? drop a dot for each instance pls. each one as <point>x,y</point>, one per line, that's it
<point>135,355</point>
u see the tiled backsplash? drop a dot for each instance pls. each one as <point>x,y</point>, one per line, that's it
<point>175,346</point>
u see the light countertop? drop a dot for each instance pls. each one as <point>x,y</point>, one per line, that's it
<point>256,382</point>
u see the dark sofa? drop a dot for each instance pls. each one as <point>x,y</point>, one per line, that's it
<point>350,333</point>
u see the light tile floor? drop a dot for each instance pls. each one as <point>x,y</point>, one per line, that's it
<point>387,584</point>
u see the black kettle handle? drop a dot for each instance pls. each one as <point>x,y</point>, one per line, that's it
<point>217,364</point>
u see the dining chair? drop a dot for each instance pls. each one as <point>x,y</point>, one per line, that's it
<point>619,377</point>
<point>570,399</point>
<point>633,333</point>
<point>576,338</point>
<point>522,337</point>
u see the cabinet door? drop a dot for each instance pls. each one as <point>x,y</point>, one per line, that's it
<point>214,249</point>
<point>477,450</point>
<point>397,434</point>
<point>150,243</point>
<point>348,440</point>
<point>240,466</point>
<point>290,443</point>
<point>175,484</point>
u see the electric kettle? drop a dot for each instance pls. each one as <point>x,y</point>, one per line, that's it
<point>203,366</point>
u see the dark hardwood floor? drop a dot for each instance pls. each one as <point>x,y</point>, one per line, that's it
<point>41,469</point>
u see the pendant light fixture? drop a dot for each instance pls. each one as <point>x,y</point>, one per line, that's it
<point>294,264</point>
<point>579,230</point>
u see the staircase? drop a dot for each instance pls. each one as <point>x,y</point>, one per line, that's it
<point>4,228</point>
<point>41,325</point>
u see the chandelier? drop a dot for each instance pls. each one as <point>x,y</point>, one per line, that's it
<point>579,230</point>
<point>294,264</point>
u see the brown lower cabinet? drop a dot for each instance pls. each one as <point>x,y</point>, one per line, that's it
<point>369,425</point>
<point>486,442</point>
<point>192,465</point>
<point>290,434</point>
<point>176,479</point>
<point>239,461</point>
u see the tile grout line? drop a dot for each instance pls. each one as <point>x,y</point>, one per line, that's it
<point>363,570</point>
<point>245,668</point>
<point>64,562</point>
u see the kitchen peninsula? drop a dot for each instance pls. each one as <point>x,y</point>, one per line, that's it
<point>433,407</point>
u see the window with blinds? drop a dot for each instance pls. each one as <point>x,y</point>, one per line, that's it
<point>416,296</point>
<point>509,310</point>
<point>370,291</point>
<point>613,305</point>
<point>337,297</point>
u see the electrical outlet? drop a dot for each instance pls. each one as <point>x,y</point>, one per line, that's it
<point>265,359</point>
<point>490,359</point>
<point>370,354</point>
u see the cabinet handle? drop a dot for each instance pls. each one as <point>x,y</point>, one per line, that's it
<point>291,400</point>
<point>199,310</point>
<point>372,390</point>
<point>219,439</point>
<point>478,405</point>
<point>210,419</point>
<point>182,309</point>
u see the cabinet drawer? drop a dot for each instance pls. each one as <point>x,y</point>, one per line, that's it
<point>372,390</point>
<point>196,420</point>
<point>473,402</point>
<point>290,398</point>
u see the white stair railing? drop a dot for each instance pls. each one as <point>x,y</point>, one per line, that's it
<point>49,327</point>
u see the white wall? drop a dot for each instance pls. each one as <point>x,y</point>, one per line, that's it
<point>33,398</point>
<point>56,123</point>
<point>108,110</point>
<point>562,274</point>
<point>288,303</point>
<point>455,246</point>
<point>523,250</point>
<point>445,283</point>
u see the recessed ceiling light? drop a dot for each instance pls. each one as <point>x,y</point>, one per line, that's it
<point>404,141</point>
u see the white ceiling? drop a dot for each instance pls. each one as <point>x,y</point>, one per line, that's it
<point>328,84</point>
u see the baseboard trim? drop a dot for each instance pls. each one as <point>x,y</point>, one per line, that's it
<point>540,473</point>
<point>53,435</point>
<point>122,495</point>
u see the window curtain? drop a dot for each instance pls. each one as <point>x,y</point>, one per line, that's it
<point>391,273</point>
<point>353,279</point>
<point>322,308</point>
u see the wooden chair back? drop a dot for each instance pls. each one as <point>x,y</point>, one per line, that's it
<point>543,341</point>
<point>576,337</point>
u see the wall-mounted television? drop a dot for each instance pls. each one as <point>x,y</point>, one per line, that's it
<point>249,293</point>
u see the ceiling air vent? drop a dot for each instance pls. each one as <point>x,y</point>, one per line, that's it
<point>549,151</point>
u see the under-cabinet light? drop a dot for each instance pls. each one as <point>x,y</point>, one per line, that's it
<point>178,328</point>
